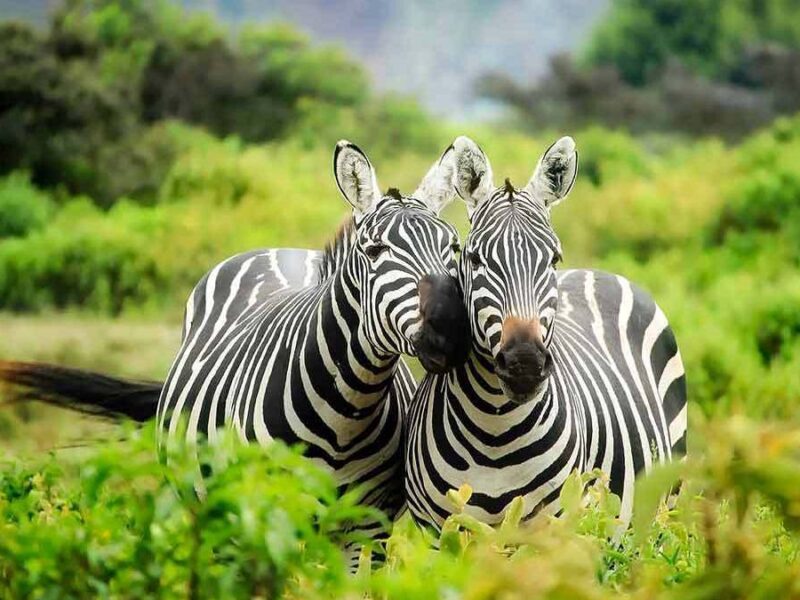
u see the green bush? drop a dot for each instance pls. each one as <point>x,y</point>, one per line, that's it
<point>270,521</point>
<point>638,37</point>
<point>704,227</point>
<point>272,526</point>
<point>766,199</point>
<point>766,202</point>
<point>23,208</point>
<point>83,258</point>
<point>80,100</point>
<point>385,127</point>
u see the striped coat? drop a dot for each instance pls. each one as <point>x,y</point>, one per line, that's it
<point>569,370</point>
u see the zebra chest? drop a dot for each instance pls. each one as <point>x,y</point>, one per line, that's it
<point>527,454</point>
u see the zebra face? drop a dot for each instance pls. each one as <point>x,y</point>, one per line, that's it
<point>508,269</point>
<point>408,280</point>
<point>508,275</point>
<point>405,265</point>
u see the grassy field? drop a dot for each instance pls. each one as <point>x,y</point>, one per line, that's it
<point>131,348</point>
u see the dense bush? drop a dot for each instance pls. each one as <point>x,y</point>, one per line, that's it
<point>387,126</point>
<point>694,66</point>
<point>77,101</point>
<point>55,117</point>
<point>23,208</point>
<point>128,527</point>
<point>271,526</point>
<point>767,201</point>
<point>83,258</point>
<point>706,229</point>
<point>640,36</point>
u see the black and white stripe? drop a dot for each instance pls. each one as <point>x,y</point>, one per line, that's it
<point>607,387</point>
<point>305,346</point>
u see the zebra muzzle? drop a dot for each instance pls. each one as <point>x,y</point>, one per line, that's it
<point>443,340</point>
<point>522,363</point>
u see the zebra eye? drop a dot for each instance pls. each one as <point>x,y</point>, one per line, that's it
<point>556,259</point>
<point>474,259</point>
<point>375,250</point>
<point>456,247</point>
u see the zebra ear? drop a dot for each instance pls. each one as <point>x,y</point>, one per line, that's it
<point>463,169</point>
<point>355,177</point>
<point>555,174</point>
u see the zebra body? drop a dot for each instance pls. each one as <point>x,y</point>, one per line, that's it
<point>260,335</point>
<point>571,370</point>
<point>615,401</point>
<point>305,346</point>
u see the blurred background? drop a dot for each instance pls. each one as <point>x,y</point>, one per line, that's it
<point>142,141</point>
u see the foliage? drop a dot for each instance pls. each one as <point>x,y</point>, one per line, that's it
<point>712,232</point>
<point>640,36</point>
<point>271,525</point>
<point>699,66</point>
<point>83,258</point>
<point>128,526</point>
<point>676,100</point>
<point>54,118</point>
<point>81,104</point>
<point>23,208</point>
<point>387,126</point>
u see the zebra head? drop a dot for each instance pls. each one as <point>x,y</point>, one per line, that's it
<point>405,266</point>
<point>508,270</point>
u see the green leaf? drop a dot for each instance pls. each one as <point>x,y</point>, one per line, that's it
<point>514,514</point>
<point>571,493</point>
<point>460,497</point>
<point>649,492</point>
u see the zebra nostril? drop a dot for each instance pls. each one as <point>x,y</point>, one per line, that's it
<point>501,360</point>
<point>547,365</point>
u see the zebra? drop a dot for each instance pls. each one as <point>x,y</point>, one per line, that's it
<point>305,346</point>
<point>568,370</point>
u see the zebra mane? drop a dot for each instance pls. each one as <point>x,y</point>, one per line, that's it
<point>336,249</point>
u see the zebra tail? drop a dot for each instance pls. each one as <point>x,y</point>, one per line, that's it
<point>83,391</point>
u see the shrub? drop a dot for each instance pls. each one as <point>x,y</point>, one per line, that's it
<point>83,258</point>
<point>385,126</point>
<point>271,526</point>
<point>23,208</point>
<point>268,525</point>
<point>767,201</point>
<point>77,101</point>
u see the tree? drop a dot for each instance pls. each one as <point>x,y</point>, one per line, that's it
<point>55,116</point>
<point>80,104</point>
<point>695,66</point>
<point>639,37</point>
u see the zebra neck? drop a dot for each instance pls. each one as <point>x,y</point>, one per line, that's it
<point>475,388</point>
<point>336,350</point>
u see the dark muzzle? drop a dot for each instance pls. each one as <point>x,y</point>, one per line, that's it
<point>443,341</point>
<point>523,364</point>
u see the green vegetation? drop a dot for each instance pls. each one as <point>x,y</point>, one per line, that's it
<point>121,190</point>
<point>23,208</point>
<point>712,232</point>
<point>640,36</point>
<point>270,525</point>
<point>80,103</point>
<point>693,66</point>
